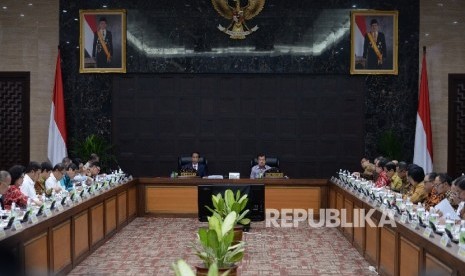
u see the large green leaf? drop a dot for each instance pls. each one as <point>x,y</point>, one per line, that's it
<point>229,197</point>
<point>203,236</point>
<point>228,223</point>
<point>213,241</point>
<point>214,224</point>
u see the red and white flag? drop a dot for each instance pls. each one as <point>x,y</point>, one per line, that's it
<point>57,128</point>
<point>359,34</point>
<point>423,154</point>
<point>90,27</point>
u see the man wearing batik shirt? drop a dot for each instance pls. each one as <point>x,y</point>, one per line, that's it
<point>441,189</point>
<point>383,179</point>
<point>396,181</point>
<point>416,176</point>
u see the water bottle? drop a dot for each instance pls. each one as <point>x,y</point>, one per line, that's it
<point>13,210</point>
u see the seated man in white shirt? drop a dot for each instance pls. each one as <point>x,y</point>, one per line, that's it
<point>258,171</point>
<point>53,181</point>
<point>30,177</point>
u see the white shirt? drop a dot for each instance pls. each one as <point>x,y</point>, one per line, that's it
<point>27,188</point>
<point>52,182</point>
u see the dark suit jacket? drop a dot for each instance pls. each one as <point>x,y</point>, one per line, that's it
<point>97,50</point>
<point>370,54</point>
<point>201,171</point>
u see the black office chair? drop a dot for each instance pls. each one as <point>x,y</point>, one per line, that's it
<point>270,161</point>
<point>187,159</point>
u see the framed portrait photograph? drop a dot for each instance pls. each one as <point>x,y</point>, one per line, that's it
<point>373,42</point>
<point>102,41</point>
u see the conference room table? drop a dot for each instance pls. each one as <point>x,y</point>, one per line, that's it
<point>402,249</point>
<point>56,244</point>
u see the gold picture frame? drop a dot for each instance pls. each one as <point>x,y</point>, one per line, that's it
<point>369,28</point>
<point>103,51</point>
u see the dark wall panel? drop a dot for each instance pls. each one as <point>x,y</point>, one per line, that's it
<point>301,119</point>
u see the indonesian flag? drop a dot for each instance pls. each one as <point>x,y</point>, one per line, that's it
<point>57,128</point>
<point>360,32</point>
<point>423,154</point>
<point>90,27</point>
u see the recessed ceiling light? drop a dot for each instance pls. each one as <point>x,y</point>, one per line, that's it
<point>75,19</point>
<point>65,11</point>
<point>5,7</point>
<point>30,4</point>
<point>455,22</point>
<point>22,15</point>
<point>440,4</point>
<point>354,6</point>
<point>67,42</point>
<point>427,34</point>
<point>104,6</point>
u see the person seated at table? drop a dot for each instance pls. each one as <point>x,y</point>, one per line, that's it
<point>416,176</point>
<point>53,181</point>
<point>430,188</point>
<point>30,177</point>
<point>454,199</point>
<point>13,194</point>
<point>94,158</point>
<point>368,169</point>
<point>402,173</point>
<point>195,165</point>
<point>5,181</point>
<point>375,173</point>
<point>93,170</point>
<point>66,161</point>
<point>45,170</point>
<point>382,180</point>
<point>396,181</point>
<point>67,180</point>
<point>81,172</point>
<point>460,194</point>
<point>258,171</point>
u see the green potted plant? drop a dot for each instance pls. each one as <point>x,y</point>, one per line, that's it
<point>229,203</point>
<point>83,148</point>
<point>215,245</point>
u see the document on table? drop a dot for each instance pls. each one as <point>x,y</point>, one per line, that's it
<point>445,208</point>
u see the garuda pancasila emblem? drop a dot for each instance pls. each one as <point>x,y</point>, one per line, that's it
<point>238,29</point>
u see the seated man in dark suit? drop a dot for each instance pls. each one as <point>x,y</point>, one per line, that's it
<point>200,168</point>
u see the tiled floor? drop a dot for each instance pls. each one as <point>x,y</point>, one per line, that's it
<point>148,246</point>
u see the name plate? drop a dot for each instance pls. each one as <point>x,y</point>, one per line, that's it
<point>414,224</point>
<point>427,233</point>
<point>2,233</point>
<point>274,175</point>
<point>445,241</point>
<point>188,174</point>
<point>33,218</point>
<point>404,218</point>
<point>48,213</point>
<point>17,225</point>
<point>461,251</point>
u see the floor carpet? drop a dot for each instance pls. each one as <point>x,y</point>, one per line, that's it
<point>148,246</point>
